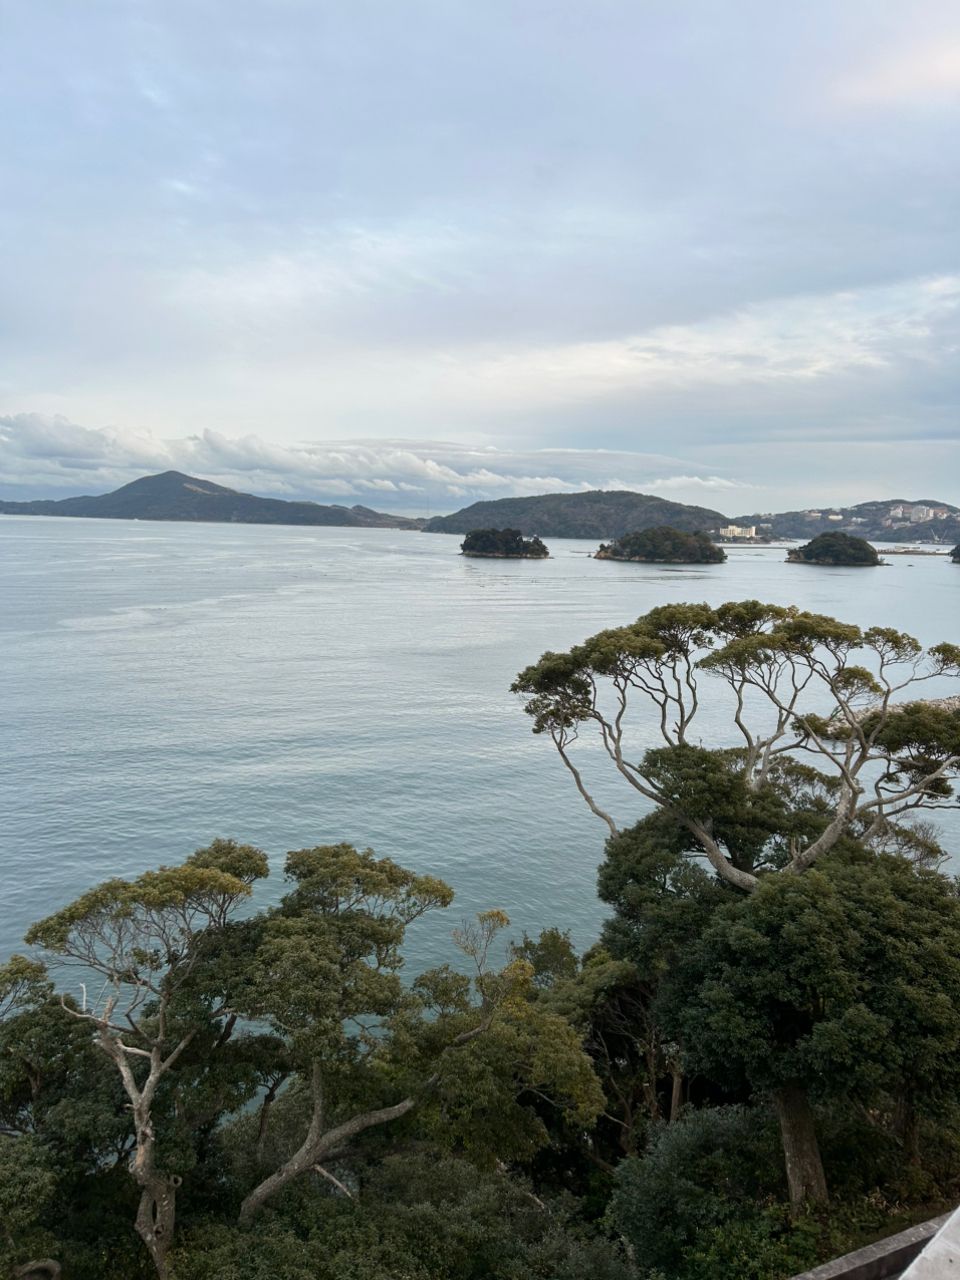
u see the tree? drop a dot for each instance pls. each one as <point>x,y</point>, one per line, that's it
<point>503,543</point>
<point>837,549</point>
<point>326,976</point>
<point>843,983</point>
<point>797,690</point>
<point>794,689</point>
<point>146,939</point>
<point>955,554</point>
<point>663,545</point>
<point>301,1008</point>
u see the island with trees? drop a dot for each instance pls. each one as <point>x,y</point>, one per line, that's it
<point>955,554</point>
<point>663,545</point>
<point>753,1068</point>
<point>503,544</point>
<point>836,549</point>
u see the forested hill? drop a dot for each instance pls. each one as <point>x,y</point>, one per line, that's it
<point>175,496</point>
<point>595,514</point>
<point>892,520</point>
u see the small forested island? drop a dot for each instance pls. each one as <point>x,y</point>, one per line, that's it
<point>663,545</point>
<point>955,554</point>
<point>836,549</point>
<point>503,544</point>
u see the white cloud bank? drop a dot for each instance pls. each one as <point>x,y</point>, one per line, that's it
<point>54,456</point>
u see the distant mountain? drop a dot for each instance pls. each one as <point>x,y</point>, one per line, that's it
<point>595,514</point>
<point>174,496</point>
<point>893,520</point>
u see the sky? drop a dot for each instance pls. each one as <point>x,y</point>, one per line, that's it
<point>415,254</point>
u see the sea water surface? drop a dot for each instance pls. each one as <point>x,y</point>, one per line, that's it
<point>163,684</point>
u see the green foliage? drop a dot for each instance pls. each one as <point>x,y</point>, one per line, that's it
<point>551,956</point>
<point>697,1174</point>
<point>793,685</point>
<point>835,548</point>
<point>664,545</point>
<point>28,1194</point>
<point>846,979</point>
<point>415,1217</point>
<point>507,543</point>
<point>599,513</point>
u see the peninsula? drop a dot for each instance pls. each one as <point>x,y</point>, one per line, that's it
<point>175,496</point>
<point>598,513</point>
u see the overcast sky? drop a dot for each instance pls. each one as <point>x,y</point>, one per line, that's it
<point>414,252</point>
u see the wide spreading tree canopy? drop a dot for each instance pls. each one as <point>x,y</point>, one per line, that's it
<point>663,545</point>
<point>796,700</point>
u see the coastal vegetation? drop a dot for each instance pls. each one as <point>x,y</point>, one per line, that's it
<point>663,545</point>
<point>799,786</point>
<point>835,549</point>
<point>504,544</point>
<point>754,1067</point>
<point>598,513</point>
<point>955,554</point>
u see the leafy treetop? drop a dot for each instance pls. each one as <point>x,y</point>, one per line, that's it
<point>795,686</point>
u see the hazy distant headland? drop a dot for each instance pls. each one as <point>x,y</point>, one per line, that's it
<point>175,496</point>
<point>594,514</point>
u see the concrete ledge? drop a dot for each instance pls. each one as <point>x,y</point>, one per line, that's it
<point>884,1260</point>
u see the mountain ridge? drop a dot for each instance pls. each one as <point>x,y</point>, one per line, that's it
<point>595,513</point>
<point>174,495</point>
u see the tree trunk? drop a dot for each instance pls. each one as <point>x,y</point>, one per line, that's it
<point>317,1144</point>
<point>156,1217</point>
<point>801,1151</point>
<point>676,1095</point>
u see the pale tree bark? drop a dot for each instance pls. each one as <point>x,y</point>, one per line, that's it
<point>39,1269</point>
<point>318,1145</point>
<point>806,1180</point>
<point>156,1211</point>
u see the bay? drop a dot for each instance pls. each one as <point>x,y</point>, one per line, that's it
<point>163,684</point>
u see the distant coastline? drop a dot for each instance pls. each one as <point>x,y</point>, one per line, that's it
<point>599,514</point>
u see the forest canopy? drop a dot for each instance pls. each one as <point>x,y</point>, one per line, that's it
<point>835,549</point>
<point>663,545</point>
<point>503,543</point>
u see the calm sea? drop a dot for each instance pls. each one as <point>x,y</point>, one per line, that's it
<point>163,684</point>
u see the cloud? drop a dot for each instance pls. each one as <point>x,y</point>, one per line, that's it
<point>719,234</point>
<point>926,74</point>
<point>57,457</point>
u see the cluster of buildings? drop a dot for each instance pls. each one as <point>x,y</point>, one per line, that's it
<point>917,513</point>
